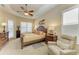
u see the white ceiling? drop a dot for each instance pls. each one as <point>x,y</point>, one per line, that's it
<point>39,9</point>
<point>34,7</point>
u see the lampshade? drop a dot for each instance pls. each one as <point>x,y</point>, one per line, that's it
<point>3,24</point>
<point>51,28</point>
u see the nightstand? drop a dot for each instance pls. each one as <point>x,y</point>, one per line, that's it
<point>51,37</point>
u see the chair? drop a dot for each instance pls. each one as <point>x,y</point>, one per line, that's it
<point>65,45</point>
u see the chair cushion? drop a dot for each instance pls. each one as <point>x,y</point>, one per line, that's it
<point>65,40</point>
<point>68,52</point>
<point>63,45</point>
<point>55,49</point>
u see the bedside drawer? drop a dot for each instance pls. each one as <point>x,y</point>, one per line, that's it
<point>51,38</point>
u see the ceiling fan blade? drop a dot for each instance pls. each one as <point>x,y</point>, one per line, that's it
<point>31,11</point>
<point>26,11</point>
<point>30,14</point>
<point>19,11</point>
<point>22,8</point>
<point>25,4</point>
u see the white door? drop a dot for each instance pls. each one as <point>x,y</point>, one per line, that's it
<point>11,28</point>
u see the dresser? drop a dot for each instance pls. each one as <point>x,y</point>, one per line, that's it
<point>18,34</point>
<point>51,37</point>
<point>3,38</point>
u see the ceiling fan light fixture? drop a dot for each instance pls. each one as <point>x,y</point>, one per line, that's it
<point>26,13</point>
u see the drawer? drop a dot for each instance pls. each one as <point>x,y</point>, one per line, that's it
<point>49,38</point>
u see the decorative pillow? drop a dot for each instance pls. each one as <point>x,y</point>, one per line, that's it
<point>37,32</point>
<point>34,31</point>
<point>40,32</point>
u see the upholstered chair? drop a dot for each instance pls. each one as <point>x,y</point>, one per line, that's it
<point>65,45</point>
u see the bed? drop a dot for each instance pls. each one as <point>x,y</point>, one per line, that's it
<point>31,38</point>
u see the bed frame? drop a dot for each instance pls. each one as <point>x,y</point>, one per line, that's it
<point>40,28</point>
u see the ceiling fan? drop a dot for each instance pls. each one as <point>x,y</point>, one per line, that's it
<point>26,12</point>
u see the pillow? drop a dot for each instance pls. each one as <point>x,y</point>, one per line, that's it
<point>40,32</point>
<point>34,31</point>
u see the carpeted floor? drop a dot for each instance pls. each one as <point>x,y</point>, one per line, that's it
<point>13,47</point>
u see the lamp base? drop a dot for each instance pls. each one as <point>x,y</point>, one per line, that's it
<point>4,29</point>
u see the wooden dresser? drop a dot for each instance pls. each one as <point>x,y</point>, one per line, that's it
<point>51,37</point>
<point>3,38</point>
<point>18,34</point>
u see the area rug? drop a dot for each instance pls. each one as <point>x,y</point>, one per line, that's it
<point>38,45</point>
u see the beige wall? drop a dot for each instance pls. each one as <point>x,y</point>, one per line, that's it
<point>4,17</point>
<point>54,17</point>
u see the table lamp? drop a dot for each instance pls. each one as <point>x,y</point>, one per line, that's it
<point>51,29</point>
<point>3,24</point>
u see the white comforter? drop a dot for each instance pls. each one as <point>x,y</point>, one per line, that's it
<point>31,37</point>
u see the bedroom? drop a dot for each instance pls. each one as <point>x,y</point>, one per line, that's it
<point>13,18</point>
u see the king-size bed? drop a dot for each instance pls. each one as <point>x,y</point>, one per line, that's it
<point>34,37</point>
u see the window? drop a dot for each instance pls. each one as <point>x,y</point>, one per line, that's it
<point>70,22</point>
<point>29,27</point>
<point>23,27</point>
<point>11,28</point>
<point>70,17</point>
<point>26,27</point>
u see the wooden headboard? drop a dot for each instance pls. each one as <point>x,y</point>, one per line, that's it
<point>42,28</point>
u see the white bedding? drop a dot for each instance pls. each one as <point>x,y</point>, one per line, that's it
<point>31,37</point>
